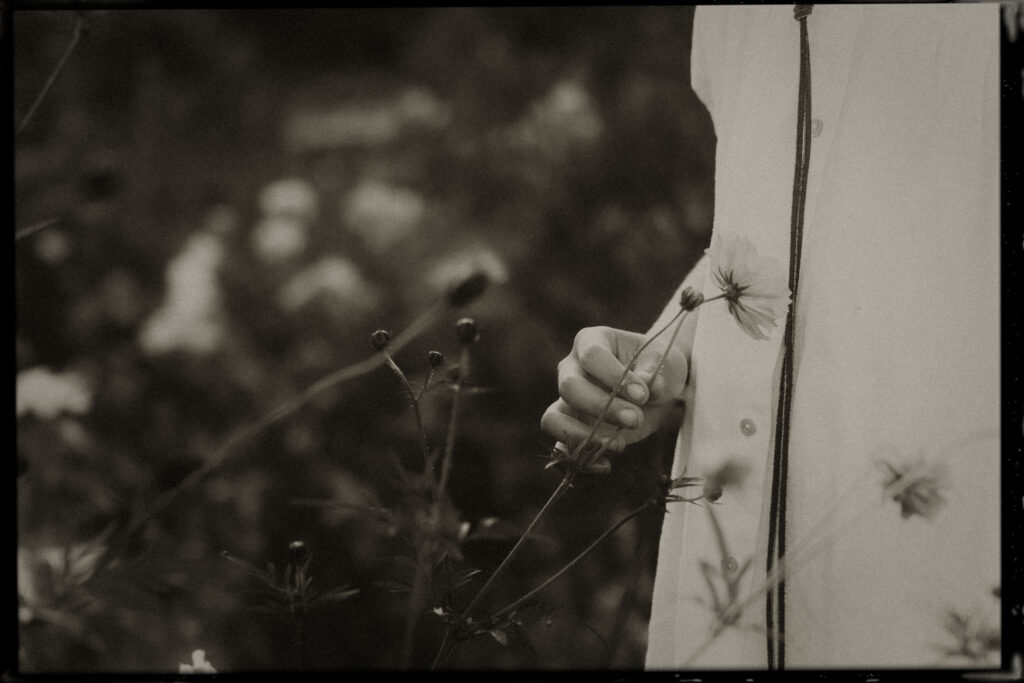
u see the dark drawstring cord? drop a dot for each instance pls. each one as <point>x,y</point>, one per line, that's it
<point>775,613</point>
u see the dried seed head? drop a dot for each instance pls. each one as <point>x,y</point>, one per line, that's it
<point>469,289</point>
<point>379,340</point>
<point>435,359</point>
<point>466,330</point>
<point>690,298</point>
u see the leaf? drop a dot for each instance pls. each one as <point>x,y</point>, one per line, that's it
<point>464,577</point>
<point>393,586</point>
<point>500,636</point>
<point>267,577</point>
<point>337,594</point>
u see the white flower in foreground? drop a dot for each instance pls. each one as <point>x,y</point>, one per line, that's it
<point>755,286</point>
<point>47,394</point>
<point>199,664</point>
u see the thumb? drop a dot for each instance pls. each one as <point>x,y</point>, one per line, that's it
<point>665,381</point>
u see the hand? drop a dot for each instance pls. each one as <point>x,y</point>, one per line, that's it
<point>587,376</point>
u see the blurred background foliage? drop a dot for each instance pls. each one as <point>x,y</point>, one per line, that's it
<point>217,208</point>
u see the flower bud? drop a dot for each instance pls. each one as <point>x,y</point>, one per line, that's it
<point>379,340</point>
<point>435,359</point>
<point>298,552</point>
<point>466,330</point>
<point>690,298</point>
<point>469,289</point>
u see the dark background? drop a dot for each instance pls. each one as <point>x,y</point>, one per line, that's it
<point>563,144</point>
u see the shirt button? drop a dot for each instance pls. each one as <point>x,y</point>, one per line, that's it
<point>748,427</point>
<point>816,126</point>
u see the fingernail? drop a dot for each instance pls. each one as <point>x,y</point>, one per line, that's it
<point>637,392</point>
<point>628,417</point>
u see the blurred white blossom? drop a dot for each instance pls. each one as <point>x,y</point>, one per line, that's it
<point>456,267</point>
<point>565,116</point>
<point>366,123</point>
<point>190,317</point>
<point>52,246</point>
<point>289,197</point>
<point>48,394</point>
<point>199,664</point>
<point>382,214</point>
<point>333,277</point>
<point>276,239</point>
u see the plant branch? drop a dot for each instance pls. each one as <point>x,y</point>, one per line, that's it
<point>75,37</point>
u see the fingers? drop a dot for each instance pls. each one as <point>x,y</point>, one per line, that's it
<point>585,397</point>
<point>596,350</point>
<point>670,381</point>
<point>563,423</point>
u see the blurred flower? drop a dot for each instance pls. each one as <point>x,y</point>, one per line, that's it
<point>333,277</point>
<point>755,286</point>
<point>366,123</point>
<point>289,197</point>
<point>417,105</point>
<point>52,246</point>
<point>47,394</point>
<point>467,331</point>
<point>189,318</point>
<point>199,664</point>
<point>976,639</point>
<point>379,340</point>
<point>382,214</point>
<point>564,117</point>
<point>278,238</point>
<point>455,268</point>
<point>918,486</point>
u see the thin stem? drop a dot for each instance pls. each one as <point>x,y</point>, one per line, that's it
<point>443,650</point>
<point>414,403</point>
<point>555,495</point>
<point>608,532</point>
<point>75,37</point>
<point>449,444</point>
<point>412,616</point>
<point>281,411</point>
<point>35,227</point>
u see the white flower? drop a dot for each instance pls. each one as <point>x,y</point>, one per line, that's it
<point>383,214</point>
<point>289,197</point>
<point>277,239</point>
<point>455,268</point>
<point>190,317</point>
<point>332,276</point>
<point>199,664</point>
<point>754,286</point>
<point>420,106</point>
<point>47,394</point>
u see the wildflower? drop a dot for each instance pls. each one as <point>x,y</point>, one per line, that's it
<point>199,664</point>
<point>754,285</point>
<point>383,214</point>
<point>435,359</point>
<point>289,197</point>
<point>47,394</point>
<point>918,487</point>
<point>467,331</point>
<point>690,299</point>
<point>380,339</point>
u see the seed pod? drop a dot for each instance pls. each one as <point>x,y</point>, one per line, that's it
<point>466,330</point>
<point>435,359</point>
<point>690,298</point>
<point>298,552</point>
<point>379,340</point>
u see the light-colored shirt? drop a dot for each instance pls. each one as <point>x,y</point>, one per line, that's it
<point>897,351</point>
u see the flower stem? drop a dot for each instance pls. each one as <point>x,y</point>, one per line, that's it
<point>555,495</point>
<point>413,613</point>
<point>75,37</point>
<point>414,403</point>
<point>442,651</point>
<point>282,410</point>
<point>453,421</point>
<point>608,532</point>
